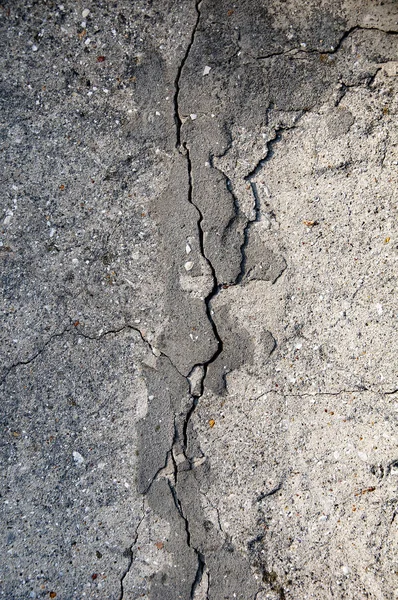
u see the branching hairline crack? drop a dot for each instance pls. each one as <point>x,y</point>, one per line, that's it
<point>333,50</point>
<point>129,327</point>
<point>72,330</point>
<point>131,554</point>
<point>358,390</point>
<point>28,361</point>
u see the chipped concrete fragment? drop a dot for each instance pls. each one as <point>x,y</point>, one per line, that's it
<point>195,379</point>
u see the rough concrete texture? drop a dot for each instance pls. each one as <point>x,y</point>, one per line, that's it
<point>198,348</point>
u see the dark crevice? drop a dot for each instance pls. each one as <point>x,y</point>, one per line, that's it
<point>347,33</point>
<point>215,288</point>
<point>177,117</point>
<point>201,560</point>
<point>173,459</point>
<point>213,292</point>
<point>195,400</point>
<point>274,490</point>
<point>184,151</point>
<point>228,185</point>
<point>269,154</point>
<point>199,574</point>
<point>177,504</point>
<point>366,83</point>
<point>154,478</point>
<point>370,81</point>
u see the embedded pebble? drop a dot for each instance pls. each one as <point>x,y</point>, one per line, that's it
<point>78,458</point>
<point>188,265</point>
<point>7,220</point>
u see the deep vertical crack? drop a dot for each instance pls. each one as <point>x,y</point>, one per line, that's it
<point>177,117</point>
<point>200,558</point>
<point>215,289</point>
<point>183,150</point>
<point>199,574</point>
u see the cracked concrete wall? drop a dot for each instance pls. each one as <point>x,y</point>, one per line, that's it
<point>199,239</point>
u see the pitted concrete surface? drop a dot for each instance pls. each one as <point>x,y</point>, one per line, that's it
<point>199,266</point>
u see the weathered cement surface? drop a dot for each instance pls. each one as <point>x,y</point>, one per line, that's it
<point>199,244</point>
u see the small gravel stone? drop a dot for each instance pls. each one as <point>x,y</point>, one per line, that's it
<point>78,458</point>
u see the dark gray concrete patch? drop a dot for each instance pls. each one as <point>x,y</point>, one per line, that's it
<point>229,572</point>
<point>261,262</point>
<point>168,403</point>
<point>187,336</point>
<point>176,582</point>
<point>222,225</point>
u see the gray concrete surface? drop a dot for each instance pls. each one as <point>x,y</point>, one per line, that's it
<point>199,261</point>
